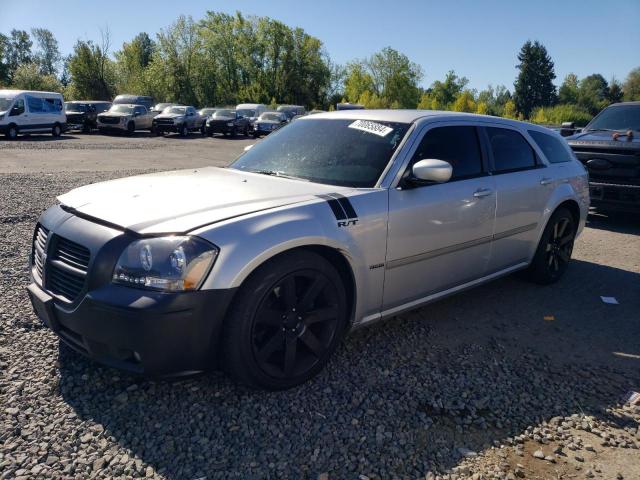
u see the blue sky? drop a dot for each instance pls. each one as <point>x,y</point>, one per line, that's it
<point>477,39</point>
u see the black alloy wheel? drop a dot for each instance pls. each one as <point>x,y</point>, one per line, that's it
<point>285,321</point>
<point>554,249</point>
<point>295,324</point>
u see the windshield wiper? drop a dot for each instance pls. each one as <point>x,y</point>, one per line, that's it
<point>277,173</point>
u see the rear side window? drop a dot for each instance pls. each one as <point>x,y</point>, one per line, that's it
<point>35,104</point>
<point>511,152</point>
<point>457,145</point>
<point>551,146</point>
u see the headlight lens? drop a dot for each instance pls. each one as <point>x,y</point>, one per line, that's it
<point>165,263</point>
<point>230,124</point>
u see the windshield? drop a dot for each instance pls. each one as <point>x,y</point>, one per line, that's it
<point>617,118</point>
<point>270,116</point>
<point>178,110</point>
<point>225,113</point>
<point>121,109</point>
<point>5,103</point>
<point>161,106</point>
<point>332,151</point>
<point>246,112</point>
<point>207,111</point>
<point>75,107</point>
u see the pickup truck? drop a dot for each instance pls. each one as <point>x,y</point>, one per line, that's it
<point>180,119</point>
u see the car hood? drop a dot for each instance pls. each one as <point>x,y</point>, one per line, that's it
<point>268,122</point>
<point>222,119</point>
<point>604,139</point>
<point>170,115</point>
<point>182,200</point>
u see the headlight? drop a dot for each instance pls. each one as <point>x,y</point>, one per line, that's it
<point>165,263</point>
<point>230,124</point>
<point>123,119</point>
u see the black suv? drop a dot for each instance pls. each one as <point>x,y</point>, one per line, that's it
<point>609,147</point>
<point>83,114</point>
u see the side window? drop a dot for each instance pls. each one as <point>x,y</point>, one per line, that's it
<point>457,145</point>
<point>18,108</point>
<point>510,150</point>
<point>35,104</point>
<point>140,111</point>
<point>552,147</point>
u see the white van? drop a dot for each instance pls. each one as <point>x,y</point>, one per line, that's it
<point>23,111</point>
<point>251,110</point>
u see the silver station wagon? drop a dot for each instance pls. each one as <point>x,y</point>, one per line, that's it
<point>331,223</point>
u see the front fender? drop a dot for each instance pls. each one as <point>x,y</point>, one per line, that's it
<point>247,242</point>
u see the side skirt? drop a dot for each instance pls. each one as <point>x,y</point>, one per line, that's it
<point>437,296</point>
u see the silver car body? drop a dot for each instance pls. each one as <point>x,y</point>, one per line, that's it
<point>114,120</point>
<point>404,247</point>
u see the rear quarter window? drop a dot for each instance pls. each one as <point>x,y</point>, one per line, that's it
<point>551,146</point>
<point>511,152</point>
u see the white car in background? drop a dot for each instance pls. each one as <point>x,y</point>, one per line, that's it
<point>24,111</point>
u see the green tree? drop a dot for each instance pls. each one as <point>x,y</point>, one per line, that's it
<point>91,71</point>
<point>465,102</point>
<point>631,86</point>
<point>29,77</point>
<point>593,93</point>
<point>18,50</point>
<point>445,93</point>
<point>534,86</point>
<point>395,77</point>
<point>568,92</point>
<point>131,63</point>
<point>493,100</point>
<point>4,65</point>
<point>47,57</point>
<point>615,93</point>
<point>358,81</point>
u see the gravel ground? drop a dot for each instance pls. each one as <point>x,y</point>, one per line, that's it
<point>474,386</point>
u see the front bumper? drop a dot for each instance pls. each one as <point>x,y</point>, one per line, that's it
<point>166,127</point>
<point>219,128</point>
<point>112,127</point>
<point>612,196</point>
<point>142,331</point>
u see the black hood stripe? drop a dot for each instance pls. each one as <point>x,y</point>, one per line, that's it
<point>346,205</point>
<point>336,208</point>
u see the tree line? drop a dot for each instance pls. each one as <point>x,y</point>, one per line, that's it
<point>225,59</point>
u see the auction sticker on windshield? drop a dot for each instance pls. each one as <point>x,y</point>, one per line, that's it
<point>371,127</point>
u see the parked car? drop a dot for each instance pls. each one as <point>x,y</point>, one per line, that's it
<point>126,99</point>
<point>291,111</point>
<point>125,118</point>
<point>609,147</point>
<point>25,111</point>
<point>83,114</point>
<point>228,122</point>
<point>267,123</point>
<point>180,119</point>
<point>332,223</point>
<point>158,108</point>
<point>251,110</point>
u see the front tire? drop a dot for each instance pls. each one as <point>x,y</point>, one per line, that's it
<point>12,132</point>
<point>131,128</point>
<point>56,131</point>
<point>287,320</point>
<point>554,250</point>
<point>184,131</point>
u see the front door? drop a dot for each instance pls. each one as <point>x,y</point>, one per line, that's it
<point>440,234</point>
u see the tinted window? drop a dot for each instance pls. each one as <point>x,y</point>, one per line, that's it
<point>18,108</point>
<point>510,150</point>
<point>457,145</point>
<point>332,151</point>
<point>551,146</point>
<point>140,110</point>
<point>622,117</point>
<point>35,104</point>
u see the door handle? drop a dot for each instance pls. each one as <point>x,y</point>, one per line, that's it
<point>545,181</point>
<point>482,192</point>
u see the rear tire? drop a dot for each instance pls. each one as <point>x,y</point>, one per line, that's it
<point>286,321</point>
<point>56,131</point>
<point>203,130</point>
<point>554,250</point>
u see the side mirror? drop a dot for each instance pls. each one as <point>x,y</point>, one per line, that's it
<point>248,147</point>
<point>432,170</point>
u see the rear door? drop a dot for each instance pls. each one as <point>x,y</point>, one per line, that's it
<point>440,234</point>
<point>523,186</point>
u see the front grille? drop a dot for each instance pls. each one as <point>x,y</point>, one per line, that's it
<point>623,165</point>
<point>164,121</point>
<point>67,268</point>
<point>109,120</point>
<point>39,247</point>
